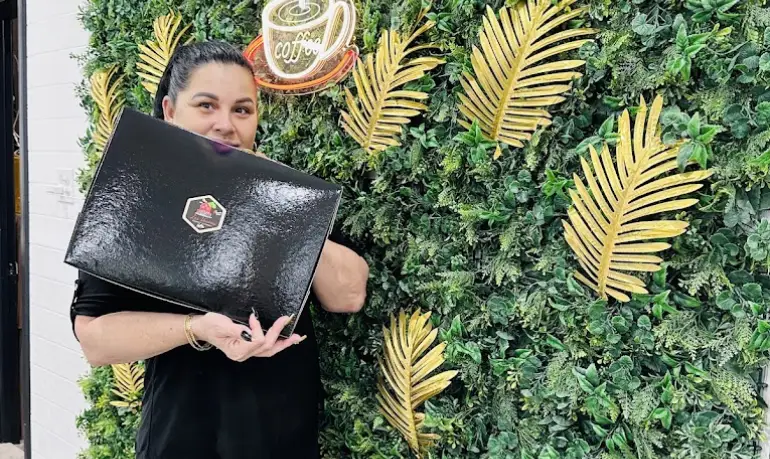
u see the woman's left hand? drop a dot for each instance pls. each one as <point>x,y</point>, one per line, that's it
<point>240,343</point>
<point>269,344</point>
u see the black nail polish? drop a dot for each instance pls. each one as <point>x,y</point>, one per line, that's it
<point>246,335</point>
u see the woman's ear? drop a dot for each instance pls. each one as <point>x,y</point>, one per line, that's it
<point>168,109</point>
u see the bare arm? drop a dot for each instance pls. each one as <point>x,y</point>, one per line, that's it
<point>129,336</point>
<point>341,277</point>
<point>124,337</point>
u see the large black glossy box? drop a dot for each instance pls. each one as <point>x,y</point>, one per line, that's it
<point>194,222</point>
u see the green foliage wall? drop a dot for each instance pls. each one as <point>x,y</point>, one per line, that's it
<point>547,371</point>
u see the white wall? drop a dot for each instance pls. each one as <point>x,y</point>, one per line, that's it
<point>56,120</point>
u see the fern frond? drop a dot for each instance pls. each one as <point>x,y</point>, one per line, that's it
<point>404,383</point>
<point>607,232</point>
<point>129,384</point>
<point>735,391</point>
<point>379,111</point>
<point>109,101</point>
<point>156,53</point>
<point>513,85</point>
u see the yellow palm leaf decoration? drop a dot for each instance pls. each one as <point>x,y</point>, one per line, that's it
<point>129,384</point>
<point>109,101</point>
<point>404,384</point>
<point>605,228</point>
<point>381,109</point>
<point>156,53</point>
<point>513,83</point>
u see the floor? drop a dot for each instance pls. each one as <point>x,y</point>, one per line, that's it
<point>9,451</point>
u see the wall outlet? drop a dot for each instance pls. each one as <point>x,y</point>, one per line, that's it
<point>65,189</point>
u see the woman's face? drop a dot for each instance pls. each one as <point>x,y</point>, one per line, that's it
<point>219,102</point>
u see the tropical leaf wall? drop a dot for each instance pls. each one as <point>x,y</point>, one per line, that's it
<point>464,215</point>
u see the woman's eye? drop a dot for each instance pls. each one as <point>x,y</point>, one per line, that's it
<point>206,105</point>
<point>243,111</point>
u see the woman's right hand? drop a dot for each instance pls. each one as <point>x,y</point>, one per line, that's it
<point>233,339</point>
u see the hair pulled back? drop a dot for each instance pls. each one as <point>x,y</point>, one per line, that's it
<point>185,60</point>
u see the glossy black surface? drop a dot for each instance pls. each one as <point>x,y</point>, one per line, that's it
<point>131,230</point>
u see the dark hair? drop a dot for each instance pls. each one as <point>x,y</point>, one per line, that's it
<point>185,60</point>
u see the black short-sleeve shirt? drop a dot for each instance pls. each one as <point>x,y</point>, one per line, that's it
<point>204,405</point>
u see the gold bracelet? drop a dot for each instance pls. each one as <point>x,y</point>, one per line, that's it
<point>191,336</point>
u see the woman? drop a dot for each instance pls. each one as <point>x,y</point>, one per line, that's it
<point>254,396</point>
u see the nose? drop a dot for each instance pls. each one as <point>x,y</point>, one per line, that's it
<point>223,126</point>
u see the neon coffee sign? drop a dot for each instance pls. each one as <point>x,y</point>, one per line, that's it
<point>305,45</point>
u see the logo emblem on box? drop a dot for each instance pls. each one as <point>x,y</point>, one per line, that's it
<point>204,214</point>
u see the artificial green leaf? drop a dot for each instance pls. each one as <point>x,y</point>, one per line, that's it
<point>686,300</point>
<point>725,301</point>
<point>640,26</point>
<point>693,127</point>
<point>592,375</point>
<point>707,135</point>
<point>599,430</point>
<point>763,113</point>
<point>681,36</point>
<point>664,415</point>
<point>699,154</point>
<point>619,438</point>
<point>692,50</point>
<point>684,155</point>
<point>752,291</point>
<point>596,327</point>
<point>620,324</point>
<point>583,381</point>
<point>555,343</point>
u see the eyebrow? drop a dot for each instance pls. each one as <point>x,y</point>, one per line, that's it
<point>213,96</point>
<point>206,94</point>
